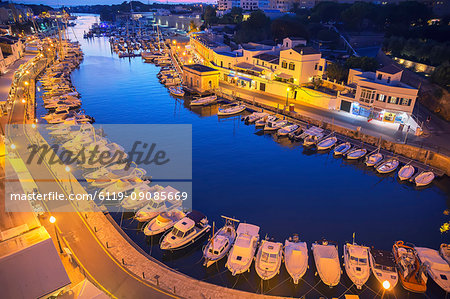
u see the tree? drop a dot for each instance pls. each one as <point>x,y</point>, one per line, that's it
<point>441,75</point>
<point>256,28</point>
<point>192,26</point>
<point>336,71</point>
<point>364,63</point>
<point>288,27</point>
<point>236,13</point>
<point>209,16</point>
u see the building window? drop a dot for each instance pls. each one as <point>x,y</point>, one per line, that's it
<point>380,76</point>
<point>367,95</point>
<point>320,68</point>
<point>262,86</point>
<point>381,98</point>
<point>284,64</point>
<point>405,102</point>
<point>315,67</point>
<point>393,100</point>
<point>389,80</point>
<point>291,66</point>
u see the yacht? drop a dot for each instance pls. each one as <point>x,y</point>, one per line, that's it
<point>342,148</point>
<point>295,258</point>
<point>263,121</point>
<point>437,268</point>
<point>242,253</point>
<point>356,262</point>
<point>374,159</point>
<point>411,272</point>
<point>231,110</point>
<point>424,178</point>
<point>204,101</point>
<point>286,130</point>
<point>356,154</point>
<point>406,172</point>
<point>186,231</point>
<point>251,118</point>
<point>444,251</point>
<point>275,125</point>
<point>383,267</point>
<point>326,143</point>
<point>268,259</point>
<point>388,166</point>
<point>327,262</point>
<point>220,243</point>
<point>163,222</point>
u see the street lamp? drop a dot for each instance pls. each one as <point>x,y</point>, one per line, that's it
<point>67,169</point>
<point>13,146</point>
<point>386,285</point>
<point>52,220</point>
<point>287,95</point>
<point>23,101</point>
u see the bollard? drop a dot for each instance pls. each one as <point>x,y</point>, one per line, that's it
<point>95,229</point>
<point>143,275</point>
<point>174,290</point>
<point>123,261</point>
<point>107,246</point>
<point>85,215</point>
<point>157,280</point>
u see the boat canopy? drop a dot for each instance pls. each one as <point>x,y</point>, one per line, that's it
<point>185,224</point>
<point>383,257</point>
<point>246,228</point>
<point>196,216</point>
<point>163,218</point>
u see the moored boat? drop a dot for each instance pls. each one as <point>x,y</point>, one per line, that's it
<point>383,266</point>
<point>437,268</point>
<point>163,222</point>
<point>326,258</point>
<point>310,140</point>
<point>423,179</point>
<point>295,258</point>
<point>263,121</point>
<point>231,110</point>
<point>373,159</point>
<point>176,91</point>
<point>411,272</point>
<point>275,125</point>
<point>388,166</point>
<point>251,118</point>
<point>356,262</point>
<point>356,154</point>
<point>342,148</point>
<point>204,101</point>
<point>287,130</point>
<point>242,253</point>
<point>406,172</point>
<point>326,143</point>
<point>444,251</point>
<point>268,259</point>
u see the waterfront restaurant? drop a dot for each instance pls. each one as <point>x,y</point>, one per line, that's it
<point>200,78</point>
<point>380,96</point>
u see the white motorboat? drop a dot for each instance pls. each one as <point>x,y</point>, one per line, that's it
<point>123,186</point>
<point>57,116</point>
<point>186,231</point>
<point>142,194</point>
<point>388,166</point>
<point>263,121</point>
<point>356,154</point>
<point>444,251</point>
<point>275,125</point>
<point>326,143</point>
<point>326,258</point>
<point>204,101</point>
<point>241,254</point>
<point>406,172</point>
<point>176,91</point>
<point>287,130</point>
<point>295,258</point>
<point>423,179</point>
<point>296,135</point>
<point>356,262</point>
<point>374,159</point>
<point>220,243</point>
<point>268,259</point>
<point>342,148</point>
<point>251,118</point>
<point>383,267</point>
<point>231,110</point>
<point>437,268</point>
<point>163,222</point>
<point>310,140</point>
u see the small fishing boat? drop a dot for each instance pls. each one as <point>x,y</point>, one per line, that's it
<point>263,121</point>
<point>383,266</point>
<point>268,259</point>
<point>295,257</point>
<point>204,101</point>
<point>326,258</point>
<point>231,110</point>
<point>436,267</point>
<point>356,262</point>
<point>410,270</point>
<point>406,172</point>
<point>342,148</point>
<point>356,154</point>
<point>444,251</point>
<point>374,159</point>
<point>296,135</point>
<point>310,140</point>
<point>275,125</point>
<point>176,91</point>
<point>251,118</point>
<point>423,179</point>
<point>287,130</point>
<point>186,231</point>
<point>220,243</point>
<point>388,166</point>
<point>326,143</point>
<point>163,222</point>
<point>242,253</point>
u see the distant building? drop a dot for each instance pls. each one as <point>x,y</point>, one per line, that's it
<point>200,78</point>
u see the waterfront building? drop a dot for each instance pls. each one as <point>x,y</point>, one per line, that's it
<point>200,78</point>
<point>380,95</point>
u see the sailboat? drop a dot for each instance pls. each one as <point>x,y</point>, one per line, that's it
<point>326,258</point>
<point>295,258</point>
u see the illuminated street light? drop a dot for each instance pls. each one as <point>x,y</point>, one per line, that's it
<point>13,146</point>
<point>33,126</point>
<point>67,169</point>
<point>386,285</point>
<point>23,101</point>
<point>287,95</point>
<point>52,220</point>
<point>26,83</point>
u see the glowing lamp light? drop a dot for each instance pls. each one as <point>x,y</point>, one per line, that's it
<point>386,285</point>
<point>52,219</point>
<point>33,126</point>
<point>288,89</point>
<point>67,169</point>
<point>23,101</point>
<point>26,83</point>
<point>13,146</point>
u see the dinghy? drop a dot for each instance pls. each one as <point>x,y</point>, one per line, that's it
<point>356,262</point>
<point>241,255</point>
<point>423,179</point>
<point>406,172</point>
<point>220,244</point>
<point>310,140</point>
<point>251,118</point>
<point>356,154</point>
<point>410,270</point>
<point>342,148</point>
<point>204,101</point>
<point>176,91</point>
<point>444,251</point>
<point>287,130</point>
<point>268,259</point>
<point>163,222</point>
<point>295,258</point>
<point>388,166</point>
<point>437,268</point>
<point>231,110</point>
<point>275,125</point>
<point>374,159</point>
<point>186,231</point>
<point>263,121</point>
<point>327,143</point>
<point>382,263</point>
<point>326,258</point>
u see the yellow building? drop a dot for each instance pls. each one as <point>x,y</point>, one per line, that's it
<point>199,78</point>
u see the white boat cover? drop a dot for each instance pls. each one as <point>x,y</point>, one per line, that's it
<point>246,228</point>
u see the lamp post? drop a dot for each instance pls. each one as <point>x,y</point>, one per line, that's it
<point>287,96</point>
<point>52,221</point>
<point>67,169</point>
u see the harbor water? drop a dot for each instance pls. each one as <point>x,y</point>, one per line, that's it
<point>257,178</point>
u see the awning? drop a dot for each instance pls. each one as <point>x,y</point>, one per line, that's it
<point>249,67</point>
<point>284,76</point>
<point>245,79</point>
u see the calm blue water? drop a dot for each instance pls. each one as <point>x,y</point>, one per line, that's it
<point>239,172</point>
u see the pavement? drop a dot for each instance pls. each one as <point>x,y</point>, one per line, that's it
<point>437,134</point>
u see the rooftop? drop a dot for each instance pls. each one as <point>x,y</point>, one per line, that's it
<point>249,67</point>
<point>268,57</point>
<point>199,68</point>
<point>305,50</point>
<point>390,69</point>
